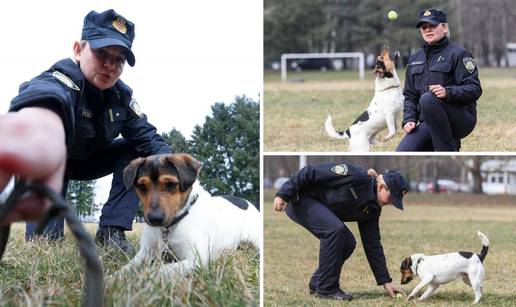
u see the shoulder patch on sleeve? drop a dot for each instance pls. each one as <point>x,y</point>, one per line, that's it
<point>135,107</point>
<point>340,169</point>
<point>65,80</point>
<point>469,63</point>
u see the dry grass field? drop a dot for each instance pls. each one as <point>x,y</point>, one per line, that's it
<point>430,224</point>
<point>295,111</point>
<point>52,274</point>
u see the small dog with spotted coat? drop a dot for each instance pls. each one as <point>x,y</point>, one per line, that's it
<point>440,269</point>
<point>182,219</point>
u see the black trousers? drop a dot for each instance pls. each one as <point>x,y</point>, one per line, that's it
<point>443,126</point>
<point>337,243</point>
<point>121,206</point>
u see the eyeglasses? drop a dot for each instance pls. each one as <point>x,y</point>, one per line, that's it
<point>104,56</point>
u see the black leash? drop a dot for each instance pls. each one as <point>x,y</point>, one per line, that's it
<point>94,293</point>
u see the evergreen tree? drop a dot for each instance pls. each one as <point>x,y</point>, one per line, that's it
<point>228,145</point>
<point>80,194</point>
<point>177,141</point>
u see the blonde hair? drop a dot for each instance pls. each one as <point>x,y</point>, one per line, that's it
<point>371,172</point>
<point>379,180</point>
<point>446,29</point>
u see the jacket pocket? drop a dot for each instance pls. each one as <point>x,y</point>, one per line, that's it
<point>417,73</point>
<point>440,74</point>
<point>114,122</point>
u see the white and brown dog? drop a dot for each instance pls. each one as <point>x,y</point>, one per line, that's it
<point>440,269</point>
<point>384,110</point>
<point>182,219</point>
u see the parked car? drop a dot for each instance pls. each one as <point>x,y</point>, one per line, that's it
<point>445,185</point>
<point>323,64</point>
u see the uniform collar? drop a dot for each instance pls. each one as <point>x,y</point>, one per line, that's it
<point>437,47</point>
<point>71,70</point>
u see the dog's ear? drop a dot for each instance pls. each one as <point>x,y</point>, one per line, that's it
<point>406,264</point>
<point>187,168</point>
<point>130,172</point>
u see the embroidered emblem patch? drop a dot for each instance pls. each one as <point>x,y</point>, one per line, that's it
<point>341,169</point>
<point>469,63</point>
<point>119,25</point>
<point>135,107</point>
<point>427,13</point>
<point>65,80</point>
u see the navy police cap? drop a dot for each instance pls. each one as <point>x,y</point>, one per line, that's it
<point>433,16</point>
<point>397,186</point>
<point>109,29</point>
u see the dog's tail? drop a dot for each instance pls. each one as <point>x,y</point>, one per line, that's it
<point>328,126</point>
<point>485,245</point>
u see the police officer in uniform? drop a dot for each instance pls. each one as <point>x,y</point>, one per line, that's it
<point>321,197</point>
<point>95,107</point>
<point>441,90</point>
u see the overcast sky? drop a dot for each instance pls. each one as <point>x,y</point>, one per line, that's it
<point>189,54</point>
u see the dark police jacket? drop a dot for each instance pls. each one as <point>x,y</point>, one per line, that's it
<point>445,63</point>
<point>92,118</point>
<point>350,193</point>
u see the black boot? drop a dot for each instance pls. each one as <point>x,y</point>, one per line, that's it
<point>339,295</point>
<point>114,236</point>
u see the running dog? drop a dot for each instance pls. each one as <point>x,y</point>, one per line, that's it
<point>383,111</point>
<point>185,225</point>
<point>440,269</point>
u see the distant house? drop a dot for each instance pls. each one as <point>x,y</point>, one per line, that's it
<point>511,54</point>
<point>499,176</point>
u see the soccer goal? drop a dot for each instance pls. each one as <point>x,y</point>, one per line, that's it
<point>330,55</point>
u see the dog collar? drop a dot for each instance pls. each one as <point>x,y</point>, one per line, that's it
<point>417,264</point>
<point>165,230</point>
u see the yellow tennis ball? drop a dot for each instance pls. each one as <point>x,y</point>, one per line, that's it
<point>392,15</point>
<point>399,295</point>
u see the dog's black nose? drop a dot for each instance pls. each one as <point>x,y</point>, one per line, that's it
<point>156,217</point>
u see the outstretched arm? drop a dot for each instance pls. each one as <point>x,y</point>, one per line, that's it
<point>32,146</point>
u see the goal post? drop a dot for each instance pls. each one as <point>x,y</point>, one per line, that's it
<point>324,55</point>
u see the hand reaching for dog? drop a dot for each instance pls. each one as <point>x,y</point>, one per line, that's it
<point>439,91</point>
<point>279,204</point>
<point>32,146</point>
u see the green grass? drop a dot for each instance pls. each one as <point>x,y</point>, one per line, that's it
<point>430,224</point>
<point>294,112</point>
<point>42,273</point>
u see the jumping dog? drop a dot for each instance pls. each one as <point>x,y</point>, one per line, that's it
<point>440,269</point>
<point>383,111</point>
<point>183,219</point>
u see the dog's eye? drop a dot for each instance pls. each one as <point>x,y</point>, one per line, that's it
<point>170,186</point>
<point>141,187</point>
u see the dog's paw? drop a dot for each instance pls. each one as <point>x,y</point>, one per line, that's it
<point>410,297</point>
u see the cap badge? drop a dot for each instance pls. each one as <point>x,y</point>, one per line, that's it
<point>119,24</point>
<point>340,169</point>
<point>469,63</point>
<point>427,13</point>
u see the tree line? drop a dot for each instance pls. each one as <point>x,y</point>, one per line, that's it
<point>415,168</point>
<point>227,144</point>
<point>305,26</point>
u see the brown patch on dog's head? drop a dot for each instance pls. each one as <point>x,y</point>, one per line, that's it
<point>163,183</point>
<point>406,271</point>
<point>386,63</point>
